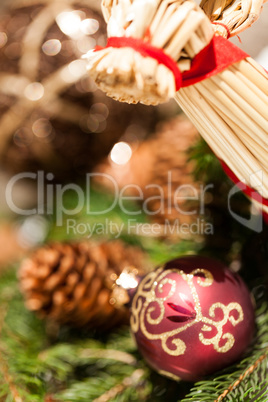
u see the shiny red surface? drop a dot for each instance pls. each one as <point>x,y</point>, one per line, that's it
<point>198,359</point>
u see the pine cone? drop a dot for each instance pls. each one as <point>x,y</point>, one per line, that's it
<point>71,283</point>
<point>166,153</point>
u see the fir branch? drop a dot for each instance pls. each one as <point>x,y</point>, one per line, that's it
<point>243,381</point>
<point>207,166</point>
<point>243,376</point>
<point>3,365</point>
<point>127,382</point>
<point>116,355</point>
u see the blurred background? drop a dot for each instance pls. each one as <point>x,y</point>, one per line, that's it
<point>55,125</point>
<point>53,119</point>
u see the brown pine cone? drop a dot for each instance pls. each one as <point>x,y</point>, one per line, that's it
<point>71,283</point>
<point>165,153</point>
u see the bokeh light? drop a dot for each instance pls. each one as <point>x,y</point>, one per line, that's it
<point>51,47</point>
<point>100,110</point>
<point>69,23</point>
<point>34,91</point>
<point>121,153</point>
<point>33,231</point>
<point>42,128</point>
<point>89,26</point>
<point>23,137</point>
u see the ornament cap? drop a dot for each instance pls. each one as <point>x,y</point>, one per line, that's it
<point>125,286</point>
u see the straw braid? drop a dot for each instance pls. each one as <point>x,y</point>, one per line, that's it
<point>237,15</point>
<point>229,109</point>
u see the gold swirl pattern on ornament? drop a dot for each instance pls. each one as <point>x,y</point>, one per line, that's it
<point>219,325</point>
<point>148,301</point>
<point>207,281</point>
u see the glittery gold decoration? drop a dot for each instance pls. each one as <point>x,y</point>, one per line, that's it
<point>148,301</point>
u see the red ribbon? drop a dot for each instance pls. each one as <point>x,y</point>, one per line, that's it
<point>146,50</point>
<point>214,58</point>
<point>244,187</point>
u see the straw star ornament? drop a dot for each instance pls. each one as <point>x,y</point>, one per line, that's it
<point>162,49</point>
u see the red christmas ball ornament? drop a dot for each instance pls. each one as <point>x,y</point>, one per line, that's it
<point>192,317</point>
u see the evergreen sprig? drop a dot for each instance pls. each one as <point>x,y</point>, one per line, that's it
<point>82,366</point>
<point>244,382</point>
<point>40,364</point>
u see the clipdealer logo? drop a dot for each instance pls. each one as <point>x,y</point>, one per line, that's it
<point>51,201</point>
<point>132,226</point>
